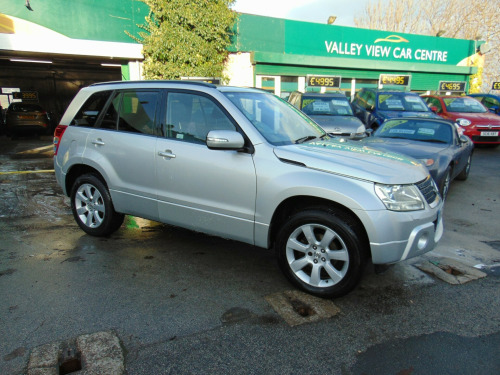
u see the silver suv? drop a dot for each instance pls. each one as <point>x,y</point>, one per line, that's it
<point>246,165</point>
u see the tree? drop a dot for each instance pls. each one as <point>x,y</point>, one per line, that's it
<point>186,38</point>
<point>465,19</point>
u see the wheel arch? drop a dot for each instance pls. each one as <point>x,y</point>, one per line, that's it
<point>78,170</point>
<point>296,204</point>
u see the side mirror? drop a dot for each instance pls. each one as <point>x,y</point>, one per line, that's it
<point>225,140</point>
<point>464,139</point>
<point>434,108</point>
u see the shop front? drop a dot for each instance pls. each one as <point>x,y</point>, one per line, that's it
<point>288,55</point>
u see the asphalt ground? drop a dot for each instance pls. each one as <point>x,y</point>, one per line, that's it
<point>181,302</point>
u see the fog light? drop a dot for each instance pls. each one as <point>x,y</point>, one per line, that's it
<point>422,242</point>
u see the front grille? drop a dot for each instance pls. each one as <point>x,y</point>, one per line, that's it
<point>428,188</point>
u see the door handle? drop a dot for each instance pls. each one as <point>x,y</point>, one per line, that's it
<point>167,154</point>
<point>98,142</point>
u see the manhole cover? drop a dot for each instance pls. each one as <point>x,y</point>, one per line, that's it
<point>298,308</point>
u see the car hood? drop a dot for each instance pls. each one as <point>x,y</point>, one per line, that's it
<point>350,158</point>
<point>481,118</point>
<point>343,123</point>
<point>396,114</point>
<point>415,149</point>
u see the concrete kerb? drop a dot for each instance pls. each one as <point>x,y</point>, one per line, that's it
<point>99,353</point>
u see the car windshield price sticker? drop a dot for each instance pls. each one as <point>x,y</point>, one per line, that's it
<point>323,81</point>
<point>495,86</point>
<point>394,79</point>
<point>451,86</point>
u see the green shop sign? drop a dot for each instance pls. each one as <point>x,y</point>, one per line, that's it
<point>348,42</point>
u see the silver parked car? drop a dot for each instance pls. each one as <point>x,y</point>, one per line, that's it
<point>332,111</point>
<point>243,164</point>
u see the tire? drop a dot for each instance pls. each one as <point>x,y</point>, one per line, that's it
<point>329,267</point>
<point>464,173</point>
<point>445,184</point>
<point>92,206</point>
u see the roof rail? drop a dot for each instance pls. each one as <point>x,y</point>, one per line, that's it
<point>196,83</point>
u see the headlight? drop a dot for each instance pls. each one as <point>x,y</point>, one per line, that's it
<point>427,162</point>
<point>463,122</point>
<point>400,197</point>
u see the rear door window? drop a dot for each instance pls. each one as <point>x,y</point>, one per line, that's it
<point>132,111</point>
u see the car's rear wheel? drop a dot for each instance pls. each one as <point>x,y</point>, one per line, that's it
<point>321,252</point>
<point>465,172</point>
<point>92,206</point>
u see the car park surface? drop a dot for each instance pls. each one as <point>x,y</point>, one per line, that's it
<point>374,106</point>
<point>436,143</point>
<point>331,111</point>
<point>26,118</point>
<point>189,303</point>
<point>477,122</point>
<point>244,165</point>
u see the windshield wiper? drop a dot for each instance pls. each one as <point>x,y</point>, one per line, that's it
<point>433,140</point>
<point>305,139</point>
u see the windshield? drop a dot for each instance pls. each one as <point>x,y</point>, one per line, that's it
<point>327,106</point>
<point>279,122</point>
<point>416,129</point>
<point>467,105</point>
<point>401,102</point>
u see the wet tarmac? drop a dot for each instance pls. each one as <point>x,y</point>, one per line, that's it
<point>182,302</point>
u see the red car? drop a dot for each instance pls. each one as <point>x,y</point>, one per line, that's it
<point>478,123</point>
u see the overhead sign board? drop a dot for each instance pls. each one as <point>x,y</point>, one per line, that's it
<point>26,95</point>
<point>495,86</point>
<point>394,80</point>
<point>457,86</point>
<point>323,81</point>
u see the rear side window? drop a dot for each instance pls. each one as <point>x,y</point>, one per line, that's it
<point>132,111</point>
<point>89,112</point>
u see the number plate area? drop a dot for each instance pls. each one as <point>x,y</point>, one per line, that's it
<point>489,134</point>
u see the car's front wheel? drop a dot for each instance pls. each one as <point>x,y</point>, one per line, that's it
<point>445,184</point>
<point>321,252</point>
<point>92,206</point>
<point>464,173</point>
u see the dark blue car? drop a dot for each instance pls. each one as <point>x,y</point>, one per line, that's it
<point>374,106</point>
<point>436,143</point>
<point>490,101</point>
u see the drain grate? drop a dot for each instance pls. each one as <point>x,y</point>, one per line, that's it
<point>298,308</point>
<point>450,270</point>
<point>70,363</point>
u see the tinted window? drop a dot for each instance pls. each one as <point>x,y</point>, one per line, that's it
<point>132,111</point>
<point>88,113</point>
<point>190,117</point>
<point>137,111</point>
<point>25,107</point>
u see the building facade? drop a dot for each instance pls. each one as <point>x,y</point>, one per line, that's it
<point>55,47</point>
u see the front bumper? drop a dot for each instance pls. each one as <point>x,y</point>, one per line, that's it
<point>415,235</point>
